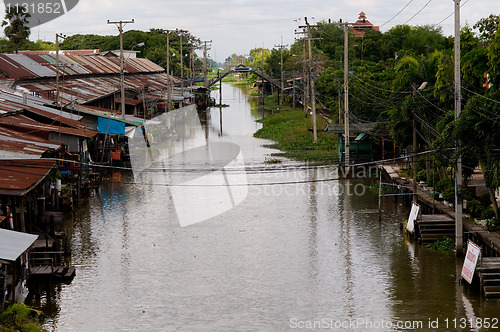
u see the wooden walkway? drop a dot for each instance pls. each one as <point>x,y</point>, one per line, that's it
<point>433,227</point>
<point>48,271</point>
<point>489,275</point>
<point>42,271</point>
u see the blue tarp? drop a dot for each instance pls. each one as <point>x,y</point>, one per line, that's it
<point>110,127</point>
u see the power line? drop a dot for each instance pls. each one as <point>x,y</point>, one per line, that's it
<point>447,17</point>
<point>397,13</point>
<point>411,18</point>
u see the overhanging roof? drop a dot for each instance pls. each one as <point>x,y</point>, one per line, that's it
<point>19,176</point>
<point>13,244</point>
<point>34,66</point>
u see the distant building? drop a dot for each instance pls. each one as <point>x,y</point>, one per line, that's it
<point>362,24</point>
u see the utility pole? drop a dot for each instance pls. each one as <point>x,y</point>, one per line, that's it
<point>414,159</point>
<point>281,46</point>
<point>181,35</point>
<point>262,70</point>
<point>311,80</point>
<point>169,80</point>
<point>304,79</point>
<point>346,99</point>
<point>205,71</point>
<point>305,82</point>
<point>340,104</point>
<point>220,90</point>
<point>58,35</point>
<point>120,24</point>
<point>458,108</point>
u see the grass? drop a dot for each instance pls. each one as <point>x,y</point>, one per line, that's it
<point>20,317</point>
<point>290,130</point>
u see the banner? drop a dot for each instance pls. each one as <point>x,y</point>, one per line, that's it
<point>415,210</point>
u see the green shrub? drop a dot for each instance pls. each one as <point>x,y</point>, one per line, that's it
<point>433,178</point>
<point>487,213</point>
<point>421,163</point>
<point>20,317</point>
<point>422,176</point>
<point>444,244</point>
<point>443,185</point>
<point>449,195</point>
<point>474,207</point>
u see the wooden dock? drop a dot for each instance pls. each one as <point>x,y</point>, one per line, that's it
<point>433,227</point>
<point>58,272</point>
<point>489,275</point>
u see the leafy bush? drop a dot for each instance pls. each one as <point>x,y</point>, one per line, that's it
<point>493,222</point>
<point>449,195</point>
<point>444,185</point>
<point>474,207</point>
<point>20,317</point>
<point>421,164</point>
<point>487,213</point>
<point>445,244</point>
<point>433,178</point>
<point>422,175</point>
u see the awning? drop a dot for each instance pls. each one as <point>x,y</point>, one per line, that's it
<point>13,244</point>
<point>110,127</point>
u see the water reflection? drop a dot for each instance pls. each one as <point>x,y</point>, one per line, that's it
<point>302,247</point>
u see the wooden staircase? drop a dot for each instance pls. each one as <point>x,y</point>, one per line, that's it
<point>433,227</point>
<point>489,273</point>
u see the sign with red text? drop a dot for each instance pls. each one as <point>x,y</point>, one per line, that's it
<point>473,252</point>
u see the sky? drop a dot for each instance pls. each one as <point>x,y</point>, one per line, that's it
<point>237,26</point>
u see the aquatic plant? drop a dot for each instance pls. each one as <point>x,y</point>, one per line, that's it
<point>20,317</point>
<point>445,244</point>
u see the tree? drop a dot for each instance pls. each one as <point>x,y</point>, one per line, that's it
<point>494,59</point>
<point>16,25</point>
<point>477,123</point>
<point>487,27</point>
<point>86,42</point>
<point>407,75</point>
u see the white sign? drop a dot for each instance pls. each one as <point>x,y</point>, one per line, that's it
<point>415,209</point>
<point>473,252</point>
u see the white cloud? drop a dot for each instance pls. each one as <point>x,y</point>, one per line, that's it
<point>236,26</point>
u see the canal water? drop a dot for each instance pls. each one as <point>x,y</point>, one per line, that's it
<point>296,249</point>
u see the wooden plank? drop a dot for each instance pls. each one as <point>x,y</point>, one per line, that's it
<point>41,270</point>
<point>491,259</point>
<point>431,218</point>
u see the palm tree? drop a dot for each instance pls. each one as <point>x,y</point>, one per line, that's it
<point>16,25</point>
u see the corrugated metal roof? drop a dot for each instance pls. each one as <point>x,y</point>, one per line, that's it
<point>21,150</point>
<point>66,52</point>
<point>10,102</point>
<point>31,65</point>
<point>24,124</point>
<point>15,136</point>
<point>19,176</point>
<point>28,62</point>
<point>13,69</point>
<point>13,244</point>
<point>89,89</point>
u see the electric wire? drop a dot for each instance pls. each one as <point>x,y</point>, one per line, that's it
<point>397,14</point>
<point>411,18</point>
<point>447,17</point>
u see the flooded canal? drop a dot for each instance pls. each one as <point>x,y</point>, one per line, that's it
<point>299,250</point>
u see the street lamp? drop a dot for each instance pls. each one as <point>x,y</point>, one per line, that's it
<point>138,45</point>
